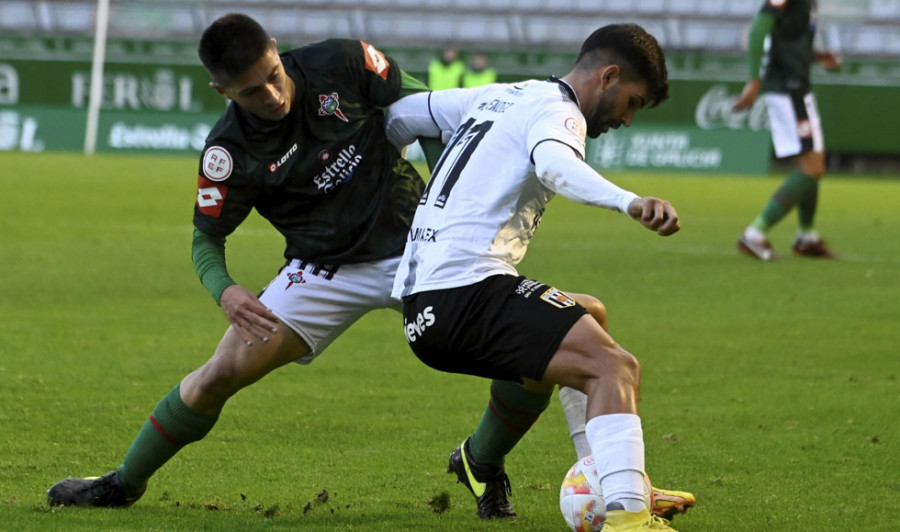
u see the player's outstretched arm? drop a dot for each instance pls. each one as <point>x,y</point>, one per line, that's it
<point>409,118</point>
<point>655,214</point>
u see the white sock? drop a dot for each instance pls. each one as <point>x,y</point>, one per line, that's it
<point>617,442</point>
<point>574,405</point>
<point>754,235</point>
<point>808,237</point>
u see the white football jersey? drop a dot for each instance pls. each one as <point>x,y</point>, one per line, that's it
<point>484,200</point>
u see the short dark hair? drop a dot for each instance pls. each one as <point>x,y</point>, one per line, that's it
<point>638,50</point>
<point>231,45</point>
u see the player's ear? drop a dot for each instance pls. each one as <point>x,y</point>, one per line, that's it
<point>609,76</point>
<point>220,89</point>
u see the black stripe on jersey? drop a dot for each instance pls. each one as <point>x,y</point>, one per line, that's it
<point>565,89</point>
<point>432,114</point>
<point>531,155</point>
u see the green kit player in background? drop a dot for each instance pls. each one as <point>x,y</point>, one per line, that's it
<point>783,75</point>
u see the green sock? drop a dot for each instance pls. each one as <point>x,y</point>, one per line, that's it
<point>511,411</point>
<point>806,208</point>
<point>171,426</point>
<point>792,191</point>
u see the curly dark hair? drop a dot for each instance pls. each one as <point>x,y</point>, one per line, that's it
<point>635,51</point>
<point>231,44</point>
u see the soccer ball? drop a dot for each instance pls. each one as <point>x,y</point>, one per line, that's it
<point>580,498</point>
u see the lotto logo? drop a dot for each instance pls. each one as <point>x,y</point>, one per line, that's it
<point>210,197</point>
<point>375,60</point>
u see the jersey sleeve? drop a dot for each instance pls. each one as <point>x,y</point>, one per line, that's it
<point>556,121</point>
<point>382,78</point>
<point>756,37</point>
<point>448,107</point>
<point>222,202</point>
<point>208,256</point>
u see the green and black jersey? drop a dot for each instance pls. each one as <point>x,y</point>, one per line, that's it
<point>325,176</point>
<point>790,53</point>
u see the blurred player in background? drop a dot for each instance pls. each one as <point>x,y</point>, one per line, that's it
<point>780,51</point>
<point>479,71</point>
<point>303,143</point>
<point>446,71</point>
<point>511,148</point>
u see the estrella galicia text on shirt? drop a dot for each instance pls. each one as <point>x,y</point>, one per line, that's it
<point>339,170</point>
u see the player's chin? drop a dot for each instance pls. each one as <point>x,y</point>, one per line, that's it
<point>595,131</point>
<point>279,112</point>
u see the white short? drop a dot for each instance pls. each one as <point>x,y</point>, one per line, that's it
<point>795,123</point>
<point>319,305</point>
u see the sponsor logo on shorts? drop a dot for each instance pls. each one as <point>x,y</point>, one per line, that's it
<point>295,278</point>
<point>527,287</point>
<point>415,328</point>
<point>557,298</point>
<point>804,129</point>
<point>330,104</point>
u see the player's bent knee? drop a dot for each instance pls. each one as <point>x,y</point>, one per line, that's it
<point>212,383</point>
<point>617,363</point>
<point>813,164</point>
<point>595,308</point>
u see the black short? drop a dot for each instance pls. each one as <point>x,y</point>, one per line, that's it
<point>503,327</point>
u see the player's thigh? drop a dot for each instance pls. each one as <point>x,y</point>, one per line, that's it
<point>503,327</point>
<point>320,303</point>
<point>586,352</point>
<point>245,363</point>
<point>237,364</point>
<point>594,306</point>
<point>812,163</point>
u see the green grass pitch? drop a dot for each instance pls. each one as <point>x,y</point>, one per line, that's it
<point>770,390</point>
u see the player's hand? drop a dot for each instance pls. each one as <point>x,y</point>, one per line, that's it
<point>655,214</point>
<point>252,320</point>
<point>748,95</point>
<point>830,61</point>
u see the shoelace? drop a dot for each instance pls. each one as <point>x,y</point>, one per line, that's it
<point>507,485</point>
<point>98,489</point>
<point>658,523</point>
